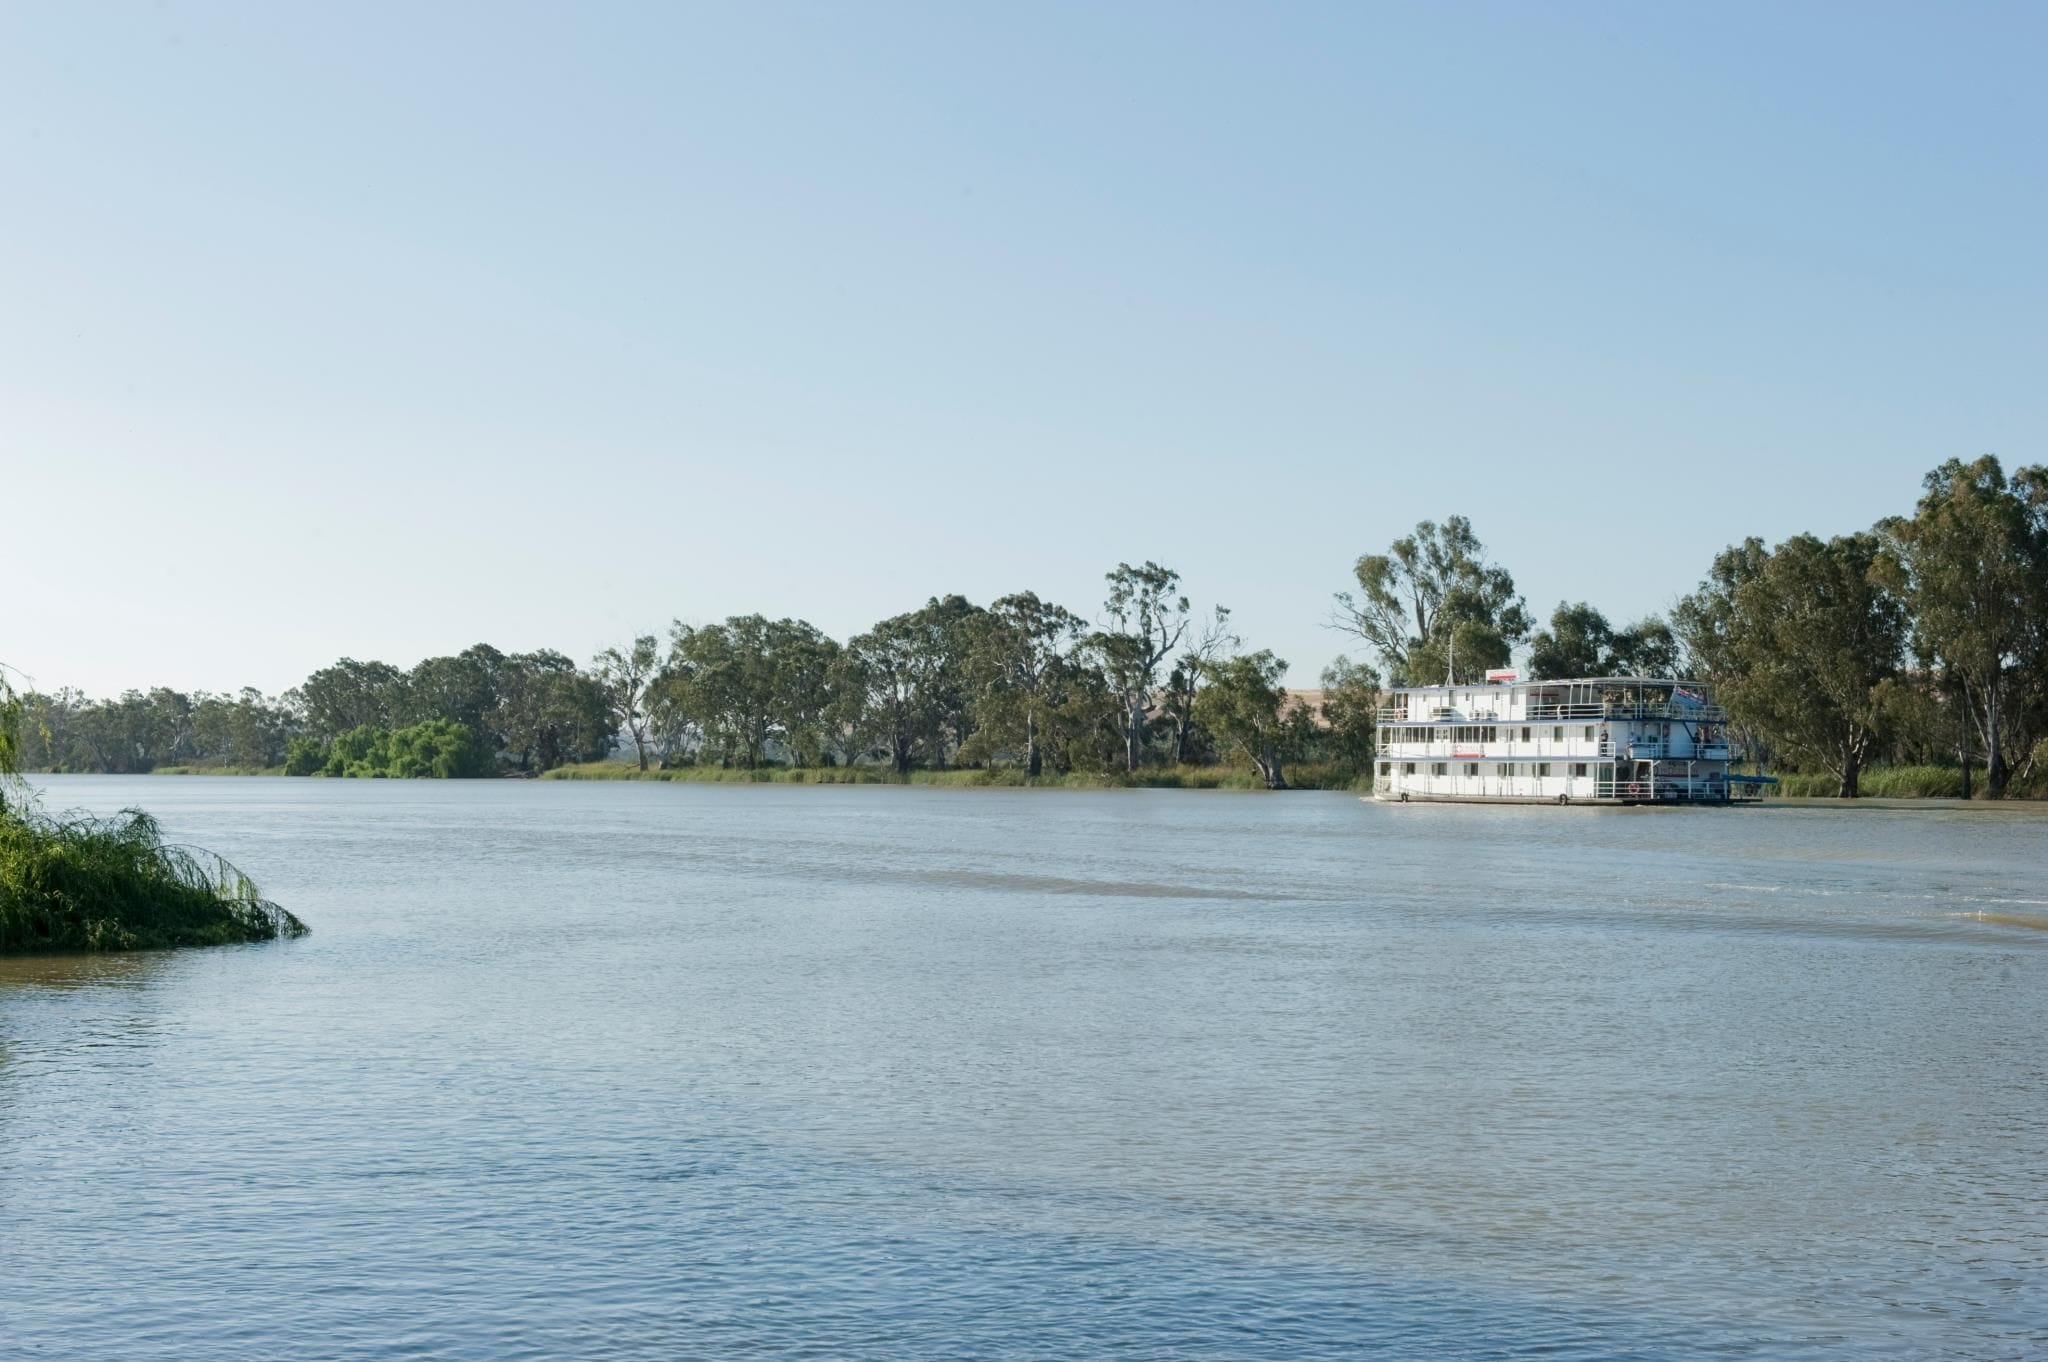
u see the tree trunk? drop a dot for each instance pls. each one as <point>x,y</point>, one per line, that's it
<point>902,754</point>
<point>1134,738</point>
<point>1994,748</point>
<point>1032,760</point>
<point>1269,767</point>
<point>1852,767</point>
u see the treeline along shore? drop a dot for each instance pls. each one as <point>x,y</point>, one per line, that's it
<point>1910,658</point>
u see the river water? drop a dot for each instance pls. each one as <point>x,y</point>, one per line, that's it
<point>624,1071</point>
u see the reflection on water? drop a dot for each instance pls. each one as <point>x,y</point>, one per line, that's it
<point>81,971</point>
<point>657,1071</point>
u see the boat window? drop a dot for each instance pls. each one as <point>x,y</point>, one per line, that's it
<point>1471,768</point>
<point>1386,768</point>
<point>1557,734</point>
<point>1525,735</point>
<point>1407,768</point>
<point>1578,768</point>
<point>1589,732</point>
<point>1543,768</point>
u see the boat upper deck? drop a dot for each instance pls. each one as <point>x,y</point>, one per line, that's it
<point>1578,698</point>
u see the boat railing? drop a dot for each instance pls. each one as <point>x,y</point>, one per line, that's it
<point>1705,714</point>
<point>1674,791</point>
<point>1698,714</point>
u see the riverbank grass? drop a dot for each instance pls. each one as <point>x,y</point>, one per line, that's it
<point>1901,782</point>
<point>1303,777</point>
<point>114,884</point>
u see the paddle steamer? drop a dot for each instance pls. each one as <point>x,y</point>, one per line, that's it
<point>1589,740</point>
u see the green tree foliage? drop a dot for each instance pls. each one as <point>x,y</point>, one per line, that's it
<point>1247,709</point>
<point>1580,642</point>
<point>624,674</point>
<point>437,749</point>
<point>141,731</point>
<point>746,683</point>
<point>1024,659</point>
<point>462,689</point>
<point>362,752</point>
<point>548,713</point>
<point>1805,641</point>
<point>1431,601</point>
<point>912,674</point>
<point>1208,642</point>
<point>246,730</point>
<point>1144,620</point>
<point>1351,703</point>
<point>351,694</point>
<point>805,706</point>
<point>1973,567</point>
<point>305,757</point>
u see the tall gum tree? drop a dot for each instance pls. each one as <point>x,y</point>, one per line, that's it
<point>1816,640</point>
<point>1432,605</point>
<point>1973,568</point>
<point>1246,707</point>
<point>912,670</point>
<point>1580,642</point>
<point>1207,644</point>
<point>625,673</point>
<point>1024,650</point>
<point>1144,618</point>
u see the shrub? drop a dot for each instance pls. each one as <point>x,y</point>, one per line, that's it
<point>94,884</point>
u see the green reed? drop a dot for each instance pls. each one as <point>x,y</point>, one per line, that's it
<point>112,884</point>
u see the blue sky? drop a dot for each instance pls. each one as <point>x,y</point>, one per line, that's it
<point>382,330</point>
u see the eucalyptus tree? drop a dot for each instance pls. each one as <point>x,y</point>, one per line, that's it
<point>1023,652</point>
<point>137,731</point>
<point>462,689</point>
<point>549,714</point>
<point>719,675</point>
<point>1433,603</point>
<point>912,674</point>
<point>804,703</point>
<point>624,675</point>
<point>1351,703</point>
<point>351,694</point>
<point>1246,707</point>
<point>1805,642</point>
<point>248,729</point>
<point>1649,647</point>
<point>748,681</point>
<point>1208,643</point>
<point>1144,620</point>
<point>1973,567</point>
<point>1580,642</point>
